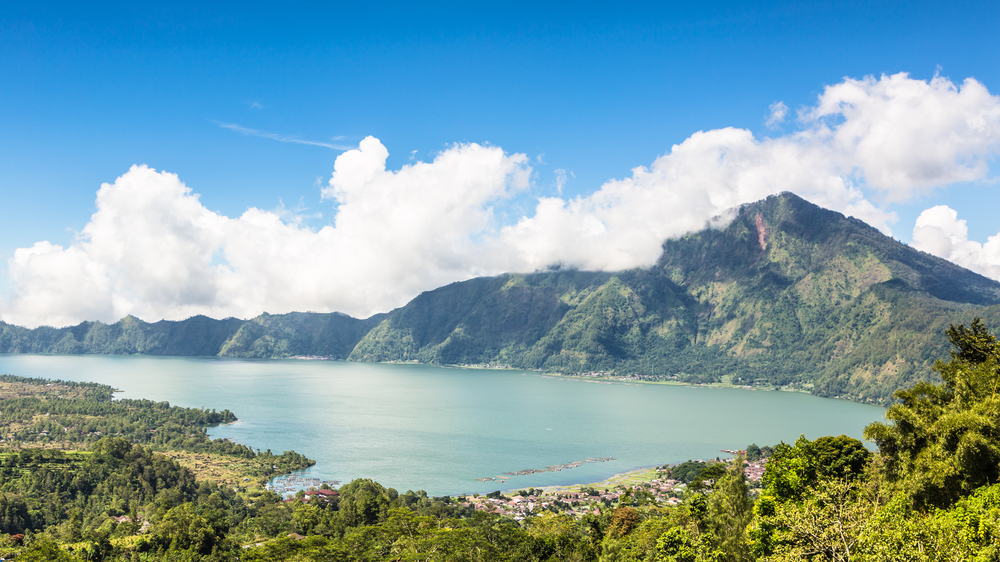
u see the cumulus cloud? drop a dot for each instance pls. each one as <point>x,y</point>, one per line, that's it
<point>893,136</point>
<point>153,250</point>
<point>940,232</point>
<point>624,223</point>
<point>904,136</point>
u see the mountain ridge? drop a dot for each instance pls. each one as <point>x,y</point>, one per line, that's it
<point>787,294</point>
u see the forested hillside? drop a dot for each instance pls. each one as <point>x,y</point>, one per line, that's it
<point>332,335</point>
<point>929,493</point>
<point>788,294</point>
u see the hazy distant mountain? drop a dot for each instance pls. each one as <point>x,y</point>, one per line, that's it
<point>268,335</point>
<point>788,293</point>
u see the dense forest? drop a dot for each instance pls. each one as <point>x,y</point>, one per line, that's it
<point>52,416</point>
<point>930,492</point>
<point>786,295</point>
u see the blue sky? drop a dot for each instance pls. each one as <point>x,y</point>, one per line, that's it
<point>214,94</point>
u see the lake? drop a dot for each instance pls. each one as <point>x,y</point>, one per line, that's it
<point>439,429</point>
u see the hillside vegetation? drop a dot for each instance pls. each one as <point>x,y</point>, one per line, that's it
<point>787,295</point>
<point>930,493</point>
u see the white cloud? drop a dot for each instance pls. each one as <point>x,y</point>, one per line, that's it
<point>940,232</point>
<point>623,224</point>
<point>894,136</point>
<point>905,136</point>
<point>57,286</point>
<point>150,241</point>
<point>153,250</point>
<point>778,111</point>
<point>560,180</point>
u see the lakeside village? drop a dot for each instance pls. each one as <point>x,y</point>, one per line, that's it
<point>666,485</point>
<point>287,486</point>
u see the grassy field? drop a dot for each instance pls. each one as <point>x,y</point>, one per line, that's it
<point>229,471</point>
<point>10,390</point>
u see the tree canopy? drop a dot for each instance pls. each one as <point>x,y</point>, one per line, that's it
<point>944,440</point>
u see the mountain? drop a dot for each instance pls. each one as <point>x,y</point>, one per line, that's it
<point>332,335</point>
<point>787,294</point>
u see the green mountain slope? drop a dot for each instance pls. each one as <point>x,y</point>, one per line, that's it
<point>787,294</point>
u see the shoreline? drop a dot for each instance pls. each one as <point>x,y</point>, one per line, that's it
<point>636,475</point>
<point>621,380</point>
<point>597,379</point>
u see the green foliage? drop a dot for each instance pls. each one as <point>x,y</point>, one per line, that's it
<point>677,545</point>
<point>365,502</point>
<point>731,511</point>
<point>687,471</point>
<point>42,488</point>
<point>41,417</point>
<point>45,550</point>
<point>815,500</point>
<point>839,457</point>
<point>791,470</point>
<point>971,529</point>
<point>756,453</point>
<point>944,440</point>
<point>190,527</point>
<point>46,420</point>
<point>926,496</point>
<point>828,523</point>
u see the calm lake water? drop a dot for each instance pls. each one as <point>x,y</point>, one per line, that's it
<point>438,429</point>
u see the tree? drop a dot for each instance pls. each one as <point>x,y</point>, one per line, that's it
<point>707,478</point>
<point>623,520</point>
<point>188,527</point>
<point>677,545</point>
<point>792,469</point>
<point>943,441</point>
<point>840,457</point>
<point>826,525</point>
<point>731,511</point>
<point>681,545</point>
<point>44,550</point>
<point>365,502</point>
<point>810,500</point>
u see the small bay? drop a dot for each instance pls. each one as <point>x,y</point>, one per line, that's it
<point>439,429</point>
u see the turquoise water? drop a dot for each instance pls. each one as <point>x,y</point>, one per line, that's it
<point>438,429</point>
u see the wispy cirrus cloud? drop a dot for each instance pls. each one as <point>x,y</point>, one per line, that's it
<point>248,132</point>
<point>778,111</point>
